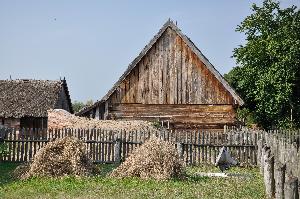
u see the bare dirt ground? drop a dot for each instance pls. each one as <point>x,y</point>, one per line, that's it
<point>58,118</point>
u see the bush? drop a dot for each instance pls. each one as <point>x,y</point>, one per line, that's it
<point>61,157</point>
<point>155,159</point>
<point>3,149</point>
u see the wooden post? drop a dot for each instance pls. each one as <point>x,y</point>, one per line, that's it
<point>291,189</point>
<point>225,128</point>
<point>279,174</point>
<point>105,115</point>
<point>118,151</point>
<point>259,151</point>
<point>262,158</point>
<point>269,174</point>
<point>180,150</point>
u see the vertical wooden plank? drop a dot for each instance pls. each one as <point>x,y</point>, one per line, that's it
<point>125,144</point>
<point>94,144</point>
<point>9,155</point>
<point>179,68</point>
<point>185,69</point>
<point>210,148</point>
<point>31,138</point>
<point>22,145</point>
<point>108,146</point>
<point>14,144</point>
<point>18,145</point>
<point>198,148</point>
<point>97,145</point>
<point>34,130</point>
<point>194,151</point>
<point>39,133</point>
<point>101,154</point>
<point>135,138</point>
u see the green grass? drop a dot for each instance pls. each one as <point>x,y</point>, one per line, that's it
<point>105,187</point>
<point>6,172</point>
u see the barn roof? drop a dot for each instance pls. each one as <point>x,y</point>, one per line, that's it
<point>23,97</point>
<point>191,45</point>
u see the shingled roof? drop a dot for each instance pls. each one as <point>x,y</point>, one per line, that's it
<point>193,47</point>
<point>19,98</point>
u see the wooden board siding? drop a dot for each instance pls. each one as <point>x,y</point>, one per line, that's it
<point>10,122</point>
<point>170,80</point>
<point>170,73</point>
<point>177,115</point>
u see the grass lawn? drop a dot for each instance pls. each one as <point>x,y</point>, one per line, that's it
<point>104,187</point>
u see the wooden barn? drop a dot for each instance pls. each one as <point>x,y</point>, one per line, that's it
<point>172,82</point>
<point>24,103</point>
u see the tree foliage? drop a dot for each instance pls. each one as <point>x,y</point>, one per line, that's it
<point>268,75</point>
<point>77,105</point>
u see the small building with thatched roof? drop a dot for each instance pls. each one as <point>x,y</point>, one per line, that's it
<point>24,103</point>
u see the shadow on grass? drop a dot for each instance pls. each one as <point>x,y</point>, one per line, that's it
<point>6,172</point>
<point>193,178</point>
<point>105,169</point>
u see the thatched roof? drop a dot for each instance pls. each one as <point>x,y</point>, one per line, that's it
<point>19,98</point>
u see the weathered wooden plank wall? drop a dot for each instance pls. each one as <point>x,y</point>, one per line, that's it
<point>170,73</point>
<point>179,115</point>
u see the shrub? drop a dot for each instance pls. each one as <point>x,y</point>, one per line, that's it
<point>155,159</point>
<point>3,149</point>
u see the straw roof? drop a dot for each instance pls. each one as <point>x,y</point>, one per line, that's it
<point>19,98</point>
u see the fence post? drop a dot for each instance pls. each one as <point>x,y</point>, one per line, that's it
<point>180,149</point>
<point>262,158</point>
<point>269,174</point>
<point>291,189</point>
<point>259,151</point>
<point>279,173</point>
<point>118,151</point>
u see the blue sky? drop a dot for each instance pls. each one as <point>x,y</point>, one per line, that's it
<point>91,43</point>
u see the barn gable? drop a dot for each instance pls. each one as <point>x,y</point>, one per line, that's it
<point>170,80</point>
<point>172,70</point>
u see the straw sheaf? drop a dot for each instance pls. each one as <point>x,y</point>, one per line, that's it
<point>61,157</point>
<point>156,159</point>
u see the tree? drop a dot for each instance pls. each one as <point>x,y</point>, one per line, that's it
<point>268,75</point>
<point>89,102</point>
<point>77,106</point>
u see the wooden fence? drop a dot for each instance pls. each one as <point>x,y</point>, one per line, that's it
<point>279,161</point>
<point>199,147</point>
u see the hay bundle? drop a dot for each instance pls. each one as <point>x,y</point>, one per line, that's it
<point>155,159</point>
<point>61,157</point>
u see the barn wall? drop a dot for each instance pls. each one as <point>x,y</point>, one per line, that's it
<point>170,73</point>
<point>177,115</point>
<point>170,83</point>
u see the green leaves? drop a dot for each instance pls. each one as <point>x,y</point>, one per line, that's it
<point>269,63</point>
